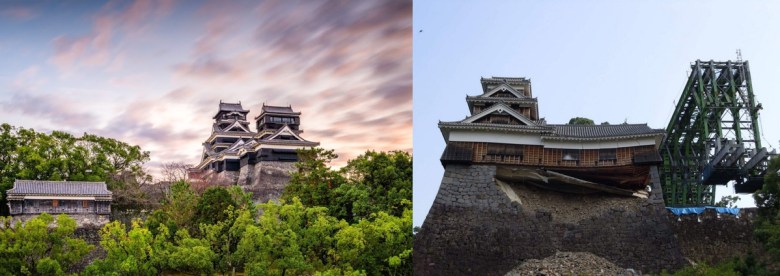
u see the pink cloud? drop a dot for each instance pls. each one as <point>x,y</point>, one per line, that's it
<point>18,13</point>
<point>95,48</point>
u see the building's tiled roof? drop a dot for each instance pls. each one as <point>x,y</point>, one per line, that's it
<point>494,78</point>
<point>480,98</point>
<point>277,109</point>
<point>497,127</point>
<point>231,107</point>
<point>599,131</point>
<point>32,187</point>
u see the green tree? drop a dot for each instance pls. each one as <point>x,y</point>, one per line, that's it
<point>768,203</point>
<point>224,236</point>
<point>377,181</point>
<point>314,180</point>
<point>180,204</point>
<point>213,204</point>
<point>27,154</point>
<point>37,247</point>
<point>272,246</point>
<point>581,121</point>
<point>127,253</point>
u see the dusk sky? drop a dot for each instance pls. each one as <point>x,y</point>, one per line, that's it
<point>152,73</point>
<point>616,61</point>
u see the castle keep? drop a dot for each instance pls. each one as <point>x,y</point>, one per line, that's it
<point>517,188</point>
<point>259,161</point>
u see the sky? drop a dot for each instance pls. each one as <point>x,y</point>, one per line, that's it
<point>152,73</point>
<point>615,61</point>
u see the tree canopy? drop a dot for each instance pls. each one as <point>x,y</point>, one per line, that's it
<point>581,121</point>
<point>352,221</point>
<point>27,154</point>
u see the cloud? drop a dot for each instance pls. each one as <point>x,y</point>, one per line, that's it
<point>113,22</point>
<point>58,110</point>
<point>18,12</point>
<point>346,65</point>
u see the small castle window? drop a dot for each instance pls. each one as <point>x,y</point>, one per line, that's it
<point>571,154</point>
<point>607,154</point>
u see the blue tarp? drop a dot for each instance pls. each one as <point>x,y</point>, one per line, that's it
<point>698,210</point>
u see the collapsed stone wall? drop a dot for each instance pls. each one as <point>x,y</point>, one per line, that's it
<point>478,225</point>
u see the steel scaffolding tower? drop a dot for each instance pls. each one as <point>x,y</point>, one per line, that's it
<point>713,136</point>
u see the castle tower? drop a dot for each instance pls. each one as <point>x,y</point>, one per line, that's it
<point>517,188</point>
<point>258,161</point>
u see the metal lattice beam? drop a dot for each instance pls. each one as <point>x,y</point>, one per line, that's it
<point>713,137</point>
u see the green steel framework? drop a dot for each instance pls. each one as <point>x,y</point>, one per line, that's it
<point>713,136</point>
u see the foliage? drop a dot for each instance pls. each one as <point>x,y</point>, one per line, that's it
<point>581,121</point>
<point>127,253</point>
<point>768,203</point>
<point>372,196</point>
<point>353,221</point>
<point>377,181</point>
<point>212,205</point>
<point>768,197</point>
<point>27,154</point>
<point>314,180</point>
<point>736,266</point>
<point>36,247</point>
<point>372,182</point>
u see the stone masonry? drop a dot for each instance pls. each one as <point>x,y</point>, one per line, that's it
<point>265,180</point>
<point>474,228</point>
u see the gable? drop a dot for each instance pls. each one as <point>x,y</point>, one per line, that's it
<point>285,133</point>
<point>236,126</point>
<point>499,113</point>
<point>504,90</point>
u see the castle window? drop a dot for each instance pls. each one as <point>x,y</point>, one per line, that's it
<point>504,153</point>
<point>607,154</point>
<point>571,154</point>
<point>282,120</point>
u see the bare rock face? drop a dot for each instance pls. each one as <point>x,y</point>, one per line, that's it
<point>569,263</point>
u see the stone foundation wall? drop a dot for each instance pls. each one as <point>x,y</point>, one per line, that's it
<point>82,220</point>
<point>226,177</point>
<point>474,228</point>
<point>711,237</point>
<point>266,180</point>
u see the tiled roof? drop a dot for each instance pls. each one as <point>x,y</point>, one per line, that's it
<point>231,107</point>
<point>599,131</point>
<point>59,188</point>
<point>494,78</point>
<point>277,109</point>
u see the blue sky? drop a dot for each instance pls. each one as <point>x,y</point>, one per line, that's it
<point>152,72</point>
<point>610,61</point>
